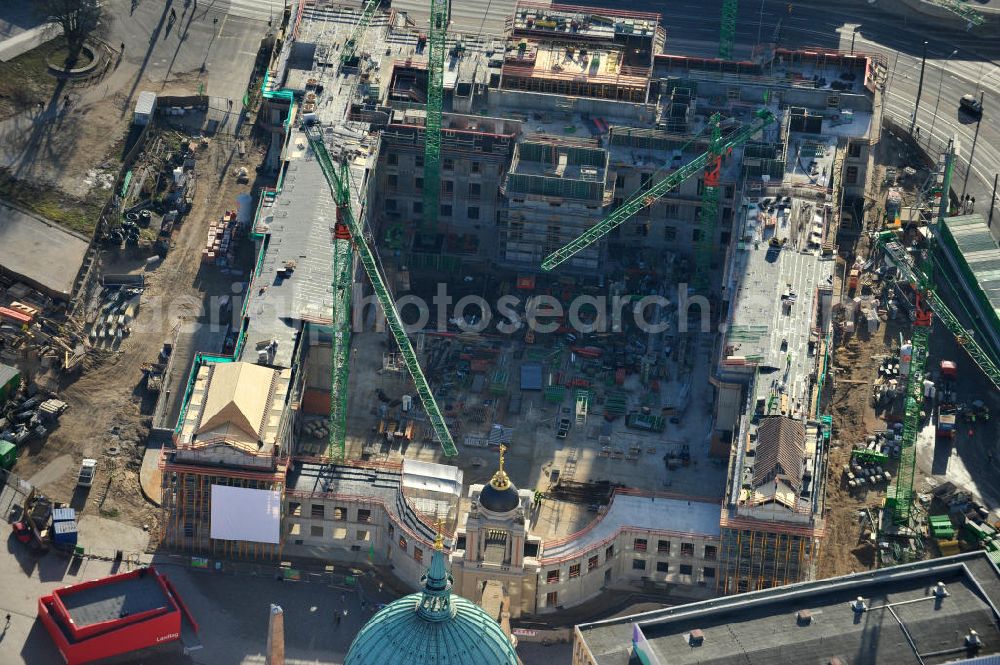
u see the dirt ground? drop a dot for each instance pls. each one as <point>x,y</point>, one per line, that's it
<point>845,548</point>
<point>855,364</point>
<point>108,407</point>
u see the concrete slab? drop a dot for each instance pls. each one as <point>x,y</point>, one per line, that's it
<point>40,252</point>
<point>150,475</point>
<point>23,42</point>
<point>103,537</point>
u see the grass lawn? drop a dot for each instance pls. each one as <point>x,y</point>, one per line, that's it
<point>50,203</point>
<point>25,81</point>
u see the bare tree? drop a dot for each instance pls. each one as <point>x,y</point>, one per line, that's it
<point>78,18</point>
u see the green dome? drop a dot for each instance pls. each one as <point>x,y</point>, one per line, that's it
<point>432,628</point>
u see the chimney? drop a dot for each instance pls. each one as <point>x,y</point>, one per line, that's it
<point>696,638</point>
<point>275,654</point>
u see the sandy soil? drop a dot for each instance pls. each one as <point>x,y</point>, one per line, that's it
<point>108,406</point>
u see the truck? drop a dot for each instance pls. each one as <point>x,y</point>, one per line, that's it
<point>946,421</point>
<point>564,425</point>
<point>88,470</point>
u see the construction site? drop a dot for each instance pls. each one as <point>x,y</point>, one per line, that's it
<point>602,316</point>
<point>614,266</point>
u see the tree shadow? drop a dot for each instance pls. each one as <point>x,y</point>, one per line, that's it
<point>41,132</point>
<point>182,37</point>
<point>154,37</point>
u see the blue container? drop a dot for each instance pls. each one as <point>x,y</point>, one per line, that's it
<point>63,515</point>
<point>64,533</point>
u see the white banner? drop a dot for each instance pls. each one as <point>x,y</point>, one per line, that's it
<point>252,515</point>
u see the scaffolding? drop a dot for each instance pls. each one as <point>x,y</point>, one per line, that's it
<point>753,559</point>
<point>187,509</point>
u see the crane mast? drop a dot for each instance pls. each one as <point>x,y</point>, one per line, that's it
<point>340,347</point>
<point>435,99</point>
<point>646,197</point>
<point>351,45</point>
<point>707,216</point>
<point>727,29</point>
<point>348,226</point>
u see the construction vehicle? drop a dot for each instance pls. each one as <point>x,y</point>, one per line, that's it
<point>947,414</point>
<point>349,234</point>
<point>34,527</point>
<point>853,278</point>
<point>646,196</point>
<point>88,471</point>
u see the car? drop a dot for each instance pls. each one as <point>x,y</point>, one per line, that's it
<point>563,431</point>
<point>971,105</point>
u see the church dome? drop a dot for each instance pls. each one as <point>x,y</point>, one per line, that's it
<point>432,628</point>
<point>500,495</point>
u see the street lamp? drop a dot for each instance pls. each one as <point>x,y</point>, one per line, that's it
<point>920,87</point>
<point>972,153</point>
<point>937,103</point>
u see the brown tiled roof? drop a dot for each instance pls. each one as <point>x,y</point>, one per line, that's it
<point>780,449</point>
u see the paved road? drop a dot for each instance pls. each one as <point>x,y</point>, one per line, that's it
<point>692,28</point>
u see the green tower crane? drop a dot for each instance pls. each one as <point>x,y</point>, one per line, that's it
<point>646,197</point>
<point>347,226</point>
<point>435,98</point>
<point>340,350</point>
<point>727,30</point>
<point>709,212</point>
<point>928,303</point>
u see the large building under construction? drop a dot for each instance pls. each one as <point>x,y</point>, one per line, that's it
<point>677,440</point>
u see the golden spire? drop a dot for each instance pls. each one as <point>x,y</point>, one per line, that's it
<point>500,479</point>
<point>439,538</point>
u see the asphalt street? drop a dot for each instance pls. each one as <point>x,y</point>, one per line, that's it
<point>693,28</point>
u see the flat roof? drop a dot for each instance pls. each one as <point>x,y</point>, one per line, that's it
<point>904,623</point>
<point>116,598</point>
<point>644,512</point>
<point>761,330</point>
<point>980,252</point>
<point>40,252</point>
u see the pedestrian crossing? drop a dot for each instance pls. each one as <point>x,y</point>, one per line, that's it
<point>258,10</point>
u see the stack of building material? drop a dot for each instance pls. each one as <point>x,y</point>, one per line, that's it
<point>941,527</point>
<point>498,383</point>
<point>220,246</point>
<point>616,404</point>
